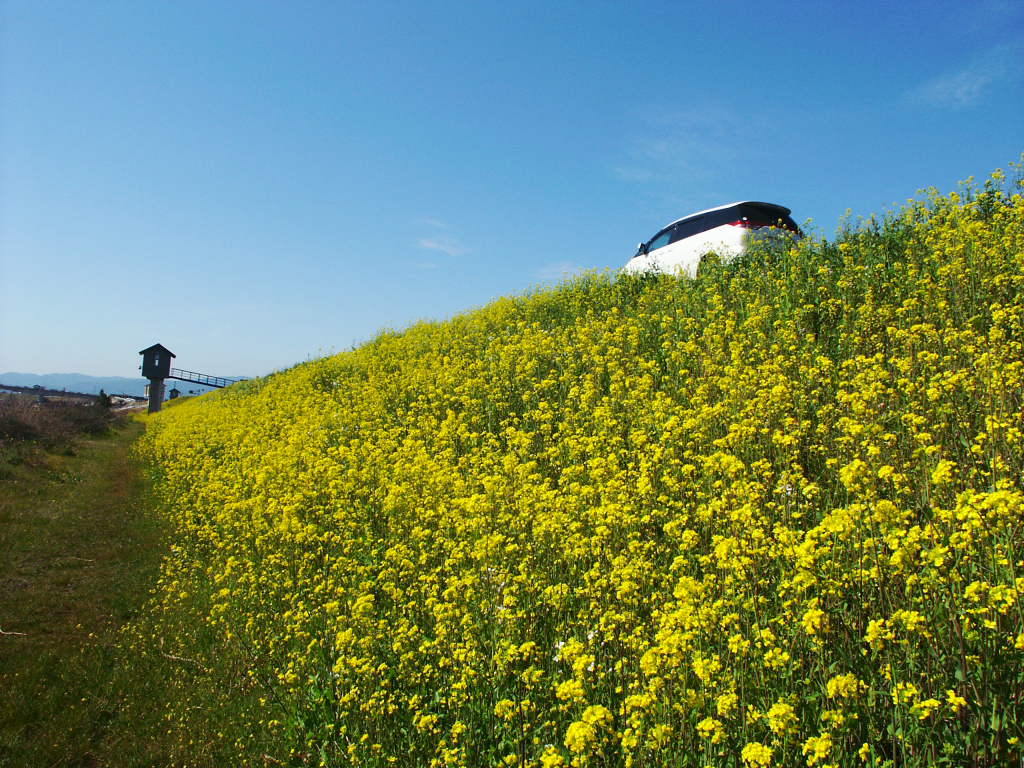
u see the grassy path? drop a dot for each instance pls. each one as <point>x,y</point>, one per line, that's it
<point>78,553</point>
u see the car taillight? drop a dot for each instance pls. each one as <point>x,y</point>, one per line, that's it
<point>748,224</point>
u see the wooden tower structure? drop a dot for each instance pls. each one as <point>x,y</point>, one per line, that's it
<point>156,366</point>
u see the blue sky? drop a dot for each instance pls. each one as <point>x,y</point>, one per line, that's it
<point>253,184</point>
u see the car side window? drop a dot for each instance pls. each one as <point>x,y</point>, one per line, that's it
<point>660,241</point>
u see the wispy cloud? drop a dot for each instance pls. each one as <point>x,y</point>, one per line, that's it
<point>967,86</point>
<point>440,240</point>
<point>446,245</point>
<point>698,144</point>
<point>557,271</point>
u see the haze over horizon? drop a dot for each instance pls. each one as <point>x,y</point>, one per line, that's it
<point>255,189</point>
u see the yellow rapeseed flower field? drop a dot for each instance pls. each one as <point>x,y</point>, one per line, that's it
<point>770,516</point>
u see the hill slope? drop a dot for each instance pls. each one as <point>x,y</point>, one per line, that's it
<point>768,516</point>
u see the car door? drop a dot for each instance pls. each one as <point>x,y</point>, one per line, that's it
<point>645,262</point>
<point>681,253</point>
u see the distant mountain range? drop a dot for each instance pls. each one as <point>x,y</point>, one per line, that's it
<point>91,385</point>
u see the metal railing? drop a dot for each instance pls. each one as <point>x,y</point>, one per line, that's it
<point>201,378</point>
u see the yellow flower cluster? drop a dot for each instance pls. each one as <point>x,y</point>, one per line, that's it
<point>768,516</point>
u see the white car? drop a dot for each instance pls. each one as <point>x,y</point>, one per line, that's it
<point>728,230</point>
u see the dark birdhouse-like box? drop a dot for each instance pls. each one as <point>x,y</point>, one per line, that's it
<point>156,362</point>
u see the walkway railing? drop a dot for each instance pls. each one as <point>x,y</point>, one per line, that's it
<point>201,378</point>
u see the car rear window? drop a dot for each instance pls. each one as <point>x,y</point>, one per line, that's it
<point>691,227</point>
<point>755,216</point>
<point>762,216</point>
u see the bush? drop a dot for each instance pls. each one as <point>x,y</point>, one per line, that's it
<point>26,422</point>
<point>17,422</point>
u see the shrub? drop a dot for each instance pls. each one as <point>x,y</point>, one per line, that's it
<point>51,425</point>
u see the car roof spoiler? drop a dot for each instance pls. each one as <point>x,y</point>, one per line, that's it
<point>783,210</point>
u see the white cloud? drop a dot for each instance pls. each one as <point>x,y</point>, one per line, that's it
<point>446,245</point>
<point>966,87</point>
<point>440,240</point>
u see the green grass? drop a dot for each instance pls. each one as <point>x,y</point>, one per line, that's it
<point>78,555</point>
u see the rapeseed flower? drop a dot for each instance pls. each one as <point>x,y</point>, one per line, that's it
<point>756,755</point>
<point>627,521</point>
<point>817,748</point>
